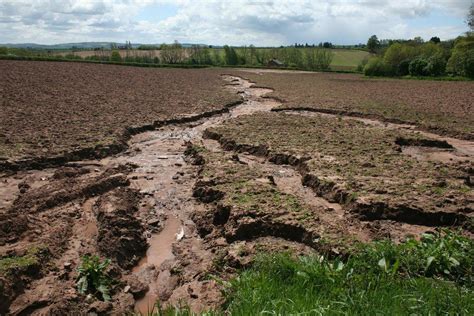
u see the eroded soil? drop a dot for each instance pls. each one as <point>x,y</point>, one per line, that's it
<point>441,107</point>
<point>192,202</point>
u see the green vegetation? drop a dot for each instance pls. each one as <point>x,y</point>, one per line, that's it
<point>417,59</point>
<point>115,56</point>
<point>431,276</point>
<point>93,277</point>
<point>30,259</point>
<point>373,44</point>
<point>305,58</point>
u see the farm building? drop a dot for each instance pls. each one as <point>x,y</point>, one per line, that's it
<point>275,63</point>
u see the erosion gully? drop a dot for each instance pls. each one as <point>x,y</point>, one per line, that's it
<point>166,181</point>
<point>164,175</point>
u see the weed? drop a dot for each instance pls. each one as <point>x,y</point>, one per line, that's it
<point>93,277</point>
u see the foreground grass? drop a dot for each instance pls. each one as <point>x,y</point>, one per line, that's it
<point>433,276</point>
<point>430,277</point>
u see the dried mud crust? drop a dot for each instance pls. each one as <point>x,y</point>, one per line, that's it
<point>45,231</point>
<point>441,107</point>
<point>359,166</point>
<point>54,112</point>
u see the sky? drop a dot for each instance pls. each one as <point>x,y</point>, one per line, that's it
<point>232,22</point>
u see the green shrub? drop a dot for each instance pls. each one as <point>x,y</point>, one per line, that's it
<point>436,65</point>
<point>461,61</point>
<point>230,56</point>
<point>377,67</point>
<point>318,59</point>
<point>403,67</point>
<point>397,53</point>
<point>93,277</point>
<point>115,56</point>
<point>418,67</point>
<point>469,63</point>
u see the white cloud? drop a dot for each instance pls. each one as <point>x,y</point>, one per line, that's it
<point>261,22</point>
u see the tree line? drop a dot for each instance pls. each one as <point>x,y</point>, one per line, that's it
<point>297,57</point>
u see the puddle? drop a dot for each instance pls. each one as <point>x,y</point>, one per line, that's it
<point>433,154</point>
<point>159,251</point>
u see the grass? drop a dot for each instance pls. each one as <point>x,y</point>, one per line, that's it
<point>348,57</point>
<point>427,277</point>
<point>430,276</point>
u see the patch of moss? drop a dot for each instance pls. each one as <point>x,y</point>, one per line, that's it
<point>31,258</point>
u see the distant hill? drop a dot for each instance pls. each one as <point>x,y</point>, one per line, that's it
<point>80,45</point>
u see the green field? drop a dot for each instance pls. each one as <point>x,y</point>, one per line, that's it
<point>348,58</point>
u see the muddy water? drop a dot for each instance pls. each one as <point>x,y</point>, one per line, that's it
<point>462,149</point>
<point>159,251</point>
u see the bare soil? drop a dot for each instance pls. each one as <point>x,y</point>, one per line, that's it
<point>192,201</point>
<point>361,166</point>
<point>442,107</point>
<point>54,112</point>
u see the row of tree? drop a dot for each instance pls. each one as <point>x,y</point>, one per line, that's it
<point>310,58</point>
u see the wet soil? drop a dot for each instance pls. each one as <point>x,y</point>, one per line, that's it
<point>163,212</point>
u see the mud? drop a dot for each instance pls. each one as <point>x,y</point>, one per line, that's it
<point>138,209</point>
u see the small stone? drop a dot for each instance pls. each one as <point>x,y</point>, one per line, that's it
<point>100,307</point>
<point>470,181</point>
<point>126,289</point>
<point>67,265</point>
<point>153,222</point>
<point>175,177</point>
<point>162,157</point>
<point>90,298</point>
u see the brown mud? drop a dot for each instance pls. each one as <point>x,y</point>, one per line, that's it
<point>137,208</point>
